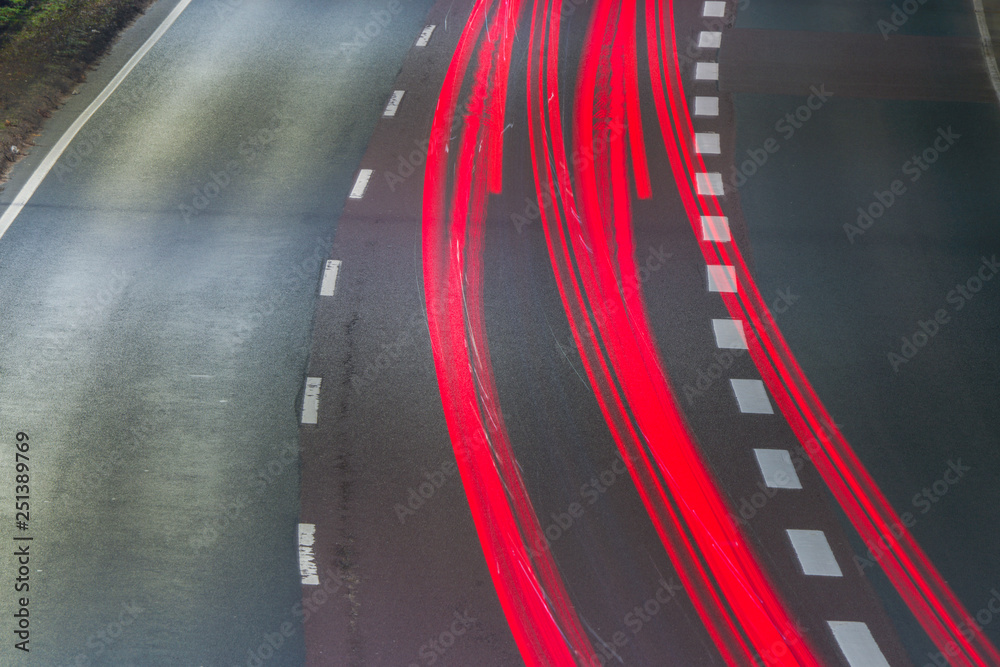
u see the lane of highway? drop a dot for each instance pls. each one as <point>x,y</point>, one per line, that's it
<point>158,291</point>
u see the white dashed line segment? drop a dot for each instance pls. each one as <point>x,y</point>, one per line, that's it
<point>361,184</point>
<point>814,553</point>
<point>307,557</point>
<point>393,106</point>
<point>310,404</point>
<point>715,228</point>
<point>752,397</point>
<point>330,277</point>
<point>425,36</point>
<point>729,334</point>
<point>706,71</point>
<point>721,278</point>
<point>709,39</point>
<point>714,8</point>
<point>707,143</point>
<point>709,184</point>
<point>706,106</point>
<point>857,644</point>
<point>777,469</point>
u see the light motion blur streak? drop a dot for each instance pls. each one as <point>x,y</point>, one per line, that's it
<point>586,212</point>
<point>528,584</point>
<point>588,227</point>
<point>923,589</point>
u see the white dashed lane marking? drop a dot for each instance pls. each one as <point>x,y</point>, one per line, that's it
<point>329,284</point>
<point>709,184</point>
<point>721,278</point>
<point>393,106</point>
<point>706,106</point>
<point>814,553</point>
<point>715,8</point>
<point>777,469</point>
<point>310,404</point>
<point>361,184</point>
<point>307,557</point>
<point>707,143</point>
<point>729,334</point>
<point>425,36</point>
<point>752,397</point>
<point>709,39</point>
<point>706,71</point>
<point>715,228</point>
<point>811,546</point>
<point>857,644</point>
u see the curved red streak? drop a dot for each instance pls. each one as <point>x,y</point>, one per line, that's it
<point>715,562</point>
<point>581,325</point>
<point>921,586</point>
<point>534,600</point>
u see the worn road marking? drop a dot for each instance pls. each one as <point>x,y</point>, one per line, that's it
<point>361,184</point>
<point>425,36</point>
<point>330,277</point>
<point>307,557</point>
<point>310,404</point>
<point>393,106</point>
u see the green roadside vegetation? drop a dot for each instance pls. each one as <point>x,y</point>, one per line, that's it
<point>46,47</point>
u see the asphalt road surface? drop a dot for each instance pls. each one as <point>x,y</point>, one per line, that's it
<point>471,332</point>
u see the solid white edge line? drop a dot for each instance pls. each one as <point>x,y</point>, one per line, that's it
<point>29,188</point>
